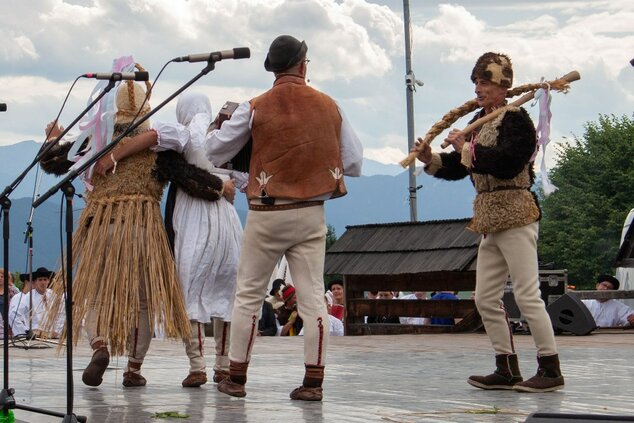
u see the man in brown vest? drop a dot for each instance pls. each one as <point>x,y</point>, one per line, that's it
<point>302,145</point>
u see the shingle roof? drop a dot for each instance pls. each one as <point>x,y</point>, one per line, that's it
<point>404,248</point>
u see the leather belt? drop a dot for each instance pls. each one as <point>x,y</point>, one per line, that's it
<point>288,206</point>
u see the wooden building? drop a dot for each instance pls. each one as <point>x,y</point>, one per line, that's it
<point>409,256</point>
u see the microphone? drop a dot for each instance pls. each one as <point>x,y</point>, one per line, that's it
<point>119,76</point>
<point>3,107</point>
<point>216,56</point>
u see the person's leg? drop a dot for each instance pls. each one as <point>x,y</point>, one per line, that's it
<point>519,246</point>
<point>93,373</point>
<point>306,264</point>
<point>195,351</point>
<point>138,344</point>
<point>264,242</point>
<point>491,276</point>
<point>222,335</point>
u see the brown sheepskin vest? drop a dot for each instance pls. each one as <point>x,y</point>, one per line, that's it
<point>501,203</point>
<point>296,143</point>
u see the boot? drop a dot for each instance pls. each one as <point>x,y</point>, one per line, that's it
<point>93,374</point>
<point>132,378</point>
<point>311,389</point>
<point>547,379</point>
<point>505,376</point>
<point>194,380</point>
<point>234,384</point>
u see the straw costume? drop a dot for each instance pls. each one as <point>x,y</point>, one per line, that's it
<point>124,278</point>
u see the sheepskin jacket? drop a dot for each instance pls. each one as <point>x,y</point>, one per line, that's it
<point>498,159</point>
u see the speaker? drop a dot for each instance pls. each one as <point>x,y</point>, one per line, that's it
<point>570,314</point>
<point>575,418</point>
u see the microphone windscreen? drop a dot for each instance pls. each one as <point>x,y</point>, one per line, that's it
<point>3,107</point>
<point>241,53</point>
<point>632,62</point>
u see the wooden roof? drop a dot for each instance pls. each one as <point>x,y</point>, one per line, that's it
<point>404,248</point>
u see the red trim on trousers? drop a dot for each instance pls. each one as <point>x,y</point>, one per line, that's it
<point>321,340</point>
<point>254,324</point>
<point>223,351</point>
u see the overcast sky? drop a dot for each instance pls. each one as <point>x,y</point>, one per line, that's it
<point>356,48</point>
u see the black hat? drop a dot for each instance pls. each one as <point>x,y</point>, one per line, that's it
<point>42,272</point>
<point>609,278</point>
<point>284,52</point>
<point>334,282</point>
<point>277,284</point>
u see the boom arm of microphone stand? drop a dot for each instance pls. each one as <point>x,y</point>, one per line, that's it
<point>76,172</point>
<point>49,145</point>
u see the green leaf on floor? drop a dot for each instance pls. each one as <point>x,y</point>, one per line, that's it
<point>169,415</point>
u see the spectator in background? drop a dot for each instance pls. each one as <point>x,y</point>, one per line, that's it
<point>275,295</point>
<point>418,295</point>
<point>337,308</point>
<point>288,317</point>
<point>384,295</point>
<point>447,321</point>
<point>267,325</point>
<point>12,292</point>
<point>609,312</point>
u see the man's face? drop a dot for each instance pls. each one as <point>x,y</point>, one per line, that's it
<point>337,293</point>
<point>604,286</point>
<point>41,284</point>
<point>384,295</point>
<point>488,94</point>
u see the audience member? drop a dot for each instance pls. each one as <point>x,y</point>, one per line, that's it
<point>447,321</point>
<point>24,318</point>
<point>337,307</point>
<point>384,295</point>
<point>267,325</point>
<point>287,316</point>
<point>12,292</point>
<point>609,312</point>
<point>417,295</point>
<point>275,295</point>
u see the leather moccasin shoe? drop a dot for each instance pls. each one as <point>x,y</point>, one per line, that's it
<point>93,374</point>
<point>194,380</point>
<point>133,380</point>
<point>227,386</point>
<point>307,394</point>
<point>220,375</point>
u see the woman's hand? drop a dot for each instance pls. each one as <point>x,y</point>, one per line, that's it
<point>229,191</point>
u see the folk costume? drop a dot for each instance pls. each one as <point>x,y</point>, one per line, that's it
<point>125,279</point>
<point>506,213</point>
<point>207,236</point>
<point>301,148</point>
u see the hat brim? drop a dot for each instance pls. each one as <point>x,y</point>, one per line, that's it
<point>279,67</point>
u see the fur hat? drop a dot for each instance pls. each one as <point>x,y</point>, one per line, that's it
<point>609,278</point>
<point>284,52</point>
<point>494,67</point>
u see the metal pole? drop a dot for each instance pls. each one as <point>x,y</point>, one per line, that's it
<point>409,93</point>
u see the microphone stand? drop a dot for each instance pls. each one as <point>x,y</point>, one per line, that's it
<point>7,401</point>
<point>67,188</point>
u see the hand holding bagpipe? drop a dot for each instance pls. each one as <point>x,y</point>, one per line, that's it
<point>561,84</point>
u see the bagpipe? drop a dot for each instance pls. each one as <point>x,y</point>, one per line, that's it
<point>561,85</point>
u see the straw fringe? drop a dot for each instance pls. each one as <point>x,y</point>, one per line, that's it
<point>121,243</point>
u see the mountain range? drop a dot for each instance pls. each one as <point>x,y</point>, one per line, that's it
<point>381,195</point>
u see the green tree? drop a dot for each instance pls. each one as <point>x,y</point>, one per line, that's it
<point>331,238</point>
<point>582,221</point>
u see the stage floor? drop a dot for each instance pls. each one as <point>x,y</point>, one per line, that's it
<point>398,378</point>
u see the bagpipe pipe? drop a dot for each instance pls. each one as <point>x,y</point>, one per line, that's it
<point>241,160</point>
<point>561,85</point>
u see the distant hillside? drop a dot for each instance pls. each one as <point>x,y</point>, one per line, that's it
<point>380,197</point>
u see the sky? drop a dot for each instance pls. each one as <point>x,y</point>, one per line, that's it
<point>356,50</point>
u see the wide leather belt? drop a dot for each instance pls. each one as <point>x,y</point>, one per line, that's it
<point>288,206</point>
